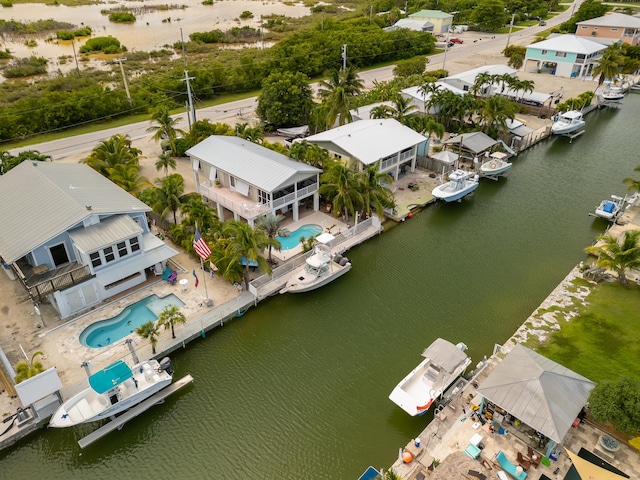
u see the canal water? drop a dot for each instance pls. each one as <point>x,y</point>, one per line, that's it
<point>298,387</point>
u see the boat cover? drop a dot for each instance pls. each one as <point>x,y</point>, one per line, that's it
<point>445,354</point>
<point>110,376</point>
<point>609,206</point>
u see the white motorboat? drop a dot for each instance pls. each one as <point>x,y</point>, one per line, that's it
<point>612,94</point>
<point>495,165</point>
<point>113,390</point>
<point>611,209</point>
<point>444,362</point>
<point>460,184</point>
<point>322,267</point>
<point>567,123</point>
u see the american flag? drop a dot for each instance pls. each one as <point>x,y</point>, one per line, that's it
<point>200,246</point>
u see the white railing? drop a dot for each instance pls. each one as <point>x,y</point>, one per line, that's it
<point>407,154</point>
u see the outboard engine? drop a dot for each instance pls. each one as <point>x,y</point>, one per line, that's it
<point>337,257</point>
<point>343,261</point>
<point>165,364</point>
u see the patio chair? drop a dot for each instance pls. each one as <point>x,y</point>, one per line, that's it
<point>523,462</point>
<point>472,451</point>
<point>173,277</point>
<point>166,274</point>
<point>533,457</point>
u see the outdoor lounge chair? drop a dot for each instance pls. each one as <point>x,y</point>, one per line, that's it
<point>166,274</point>
<point>509,467</point>
<point>173,277</point>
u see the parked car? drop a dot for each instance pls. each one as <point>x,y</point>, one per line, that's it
<point>456,40</point>
<point>535,18</point>
<point>543,23</point>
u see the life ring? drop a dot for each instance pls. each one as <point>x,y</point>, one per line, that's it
<point>492,165</point>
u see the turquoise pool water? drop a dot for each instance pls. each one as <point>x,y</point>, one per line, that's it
<point>106,332</point>
<point>294,239</point>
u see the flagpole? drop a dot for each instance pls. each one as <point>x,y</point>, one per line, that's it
<point>206,292</point>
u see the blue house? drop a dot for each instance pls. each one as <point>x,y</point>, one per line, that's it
<point>563,55</point>
<point>74,238</point>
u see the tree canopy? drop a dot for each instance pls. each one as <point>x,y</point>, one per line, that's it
<point>285,100</point>
<point>617,402</point>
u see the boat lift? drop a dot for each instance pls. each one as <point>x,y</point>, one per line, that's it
<point>118,422</point>
<point>573,135</point>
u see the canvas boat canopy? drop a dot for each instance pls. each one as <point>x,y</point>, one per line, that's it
<point>445,354</point>
<point>110,376</point>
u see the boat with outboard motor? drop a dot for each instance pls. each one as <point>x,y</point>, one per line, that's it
<point>443,363</point>
<point>113,390</point>
<point>495,165</point>
<point>460,184</point>
<point>322,267</point>
<point>612,94</point>
<point>567,123</point>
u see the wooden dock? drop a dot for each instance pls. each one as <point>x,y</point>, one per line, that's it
<point>118,422</point>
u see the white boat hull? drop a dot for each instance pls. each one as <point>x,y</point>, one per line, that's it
<point>444,192</point>
<point>568,123</point>
<point>610,209</point>
<point>90,406</point>
<point>417,392</point>
<point>301,281</point>
<point>493,169</point>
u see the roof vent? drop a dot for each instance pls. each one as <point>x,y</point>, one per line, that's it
<point>88,207</point>
<point>35,163</point>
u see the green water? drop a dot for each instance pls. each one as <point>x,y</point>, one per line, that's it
<point>298,387</point>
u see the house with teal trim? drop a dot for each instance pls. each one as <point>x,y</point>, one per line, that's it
<point>568,56</point>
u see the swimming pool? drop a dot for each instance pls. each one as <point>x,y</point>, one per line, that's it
<point>106,332</point>
<point>294,239</point>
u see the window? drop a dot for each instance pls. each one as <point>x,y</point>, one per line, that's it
<point>544,52</point>
<point>134,243</point>
<point>96,261</point>
<point>122,249</point>
<point>561,54</point>
<point>232,181</point>
<point>583,27</point>
<point>263,197</point>
<point>109,256</point>
<point>614,29</point>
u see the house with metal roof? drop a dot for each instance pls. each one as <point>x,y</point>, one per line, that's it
<point>386,143</point>
<point>568,56</point>
<point>73,237</point>
<point>419,98</point>
<point>418,25</point>
<point>246,180</point>
<point>441,21</point>
<point>466,80</point>
<point>611,28</point>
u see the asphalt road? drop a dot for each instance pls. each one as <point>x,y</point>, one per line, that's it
<point>78,144</point>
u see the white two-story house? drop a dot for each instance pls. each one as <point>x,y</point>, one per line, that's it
<point>73,237</point>
<point>247,180</point>
<point>386,143</point>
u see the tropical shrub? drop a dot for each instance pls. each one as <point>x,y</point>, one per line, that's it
<point>102,44</point>
<point>122,17</point>
<point>25,67</point>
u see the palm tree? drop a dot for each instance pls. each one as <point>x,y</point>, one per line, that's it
<point>128,178</point>
<point>402,109</point>
<point>165,127</point>
<point>525,86</point>
<point>617,255</point>
<point>195,211</point>
<point>270,224</point>
<point>495,112</point>
<point>168,195</point>
<point>25,370</point>
<point>309,153</point>
<point>430,91</point>
<point>111,152</point>
<point>164,162</point>
<point>482,80</point>
<point>149,331</point>
<point>170,316</point>
<point>339,185</point>
<point>244,241</point>
<point>337,91</point>
<point>253,134</point>
<point>373,192</point>
<point>610,64</point>
<point>633,184</point>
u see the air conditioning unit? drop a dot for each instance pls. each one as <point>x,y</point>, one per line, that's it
<point>594,33</point>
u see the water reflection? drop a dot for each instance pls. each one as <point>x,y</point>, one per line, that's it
<point>152,30</point>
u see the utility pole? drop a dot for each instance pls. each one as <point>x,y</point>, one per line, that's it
<point>406,8</point>
<point>75,56</point>
<point>446,48</point>
<point>184,57</point>
<point>370,14</point>
<point>124,78</point>
<point>344,56</point>
<point>191,115</point>
<point>261,33</point>
<point>510,28</point>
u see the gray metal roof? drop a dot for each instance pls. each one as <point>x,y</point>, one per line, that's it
<point>538,391</point>
<point>613,20</point>
<point>369,140</point>
<point>109,231</point>
<point>39,200</point>
<point>445,354</point>
<point>252,163</point>
<point>475,142</point>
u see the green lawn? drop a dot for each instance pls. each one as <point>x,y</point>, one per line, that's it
<point>601,343</point>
